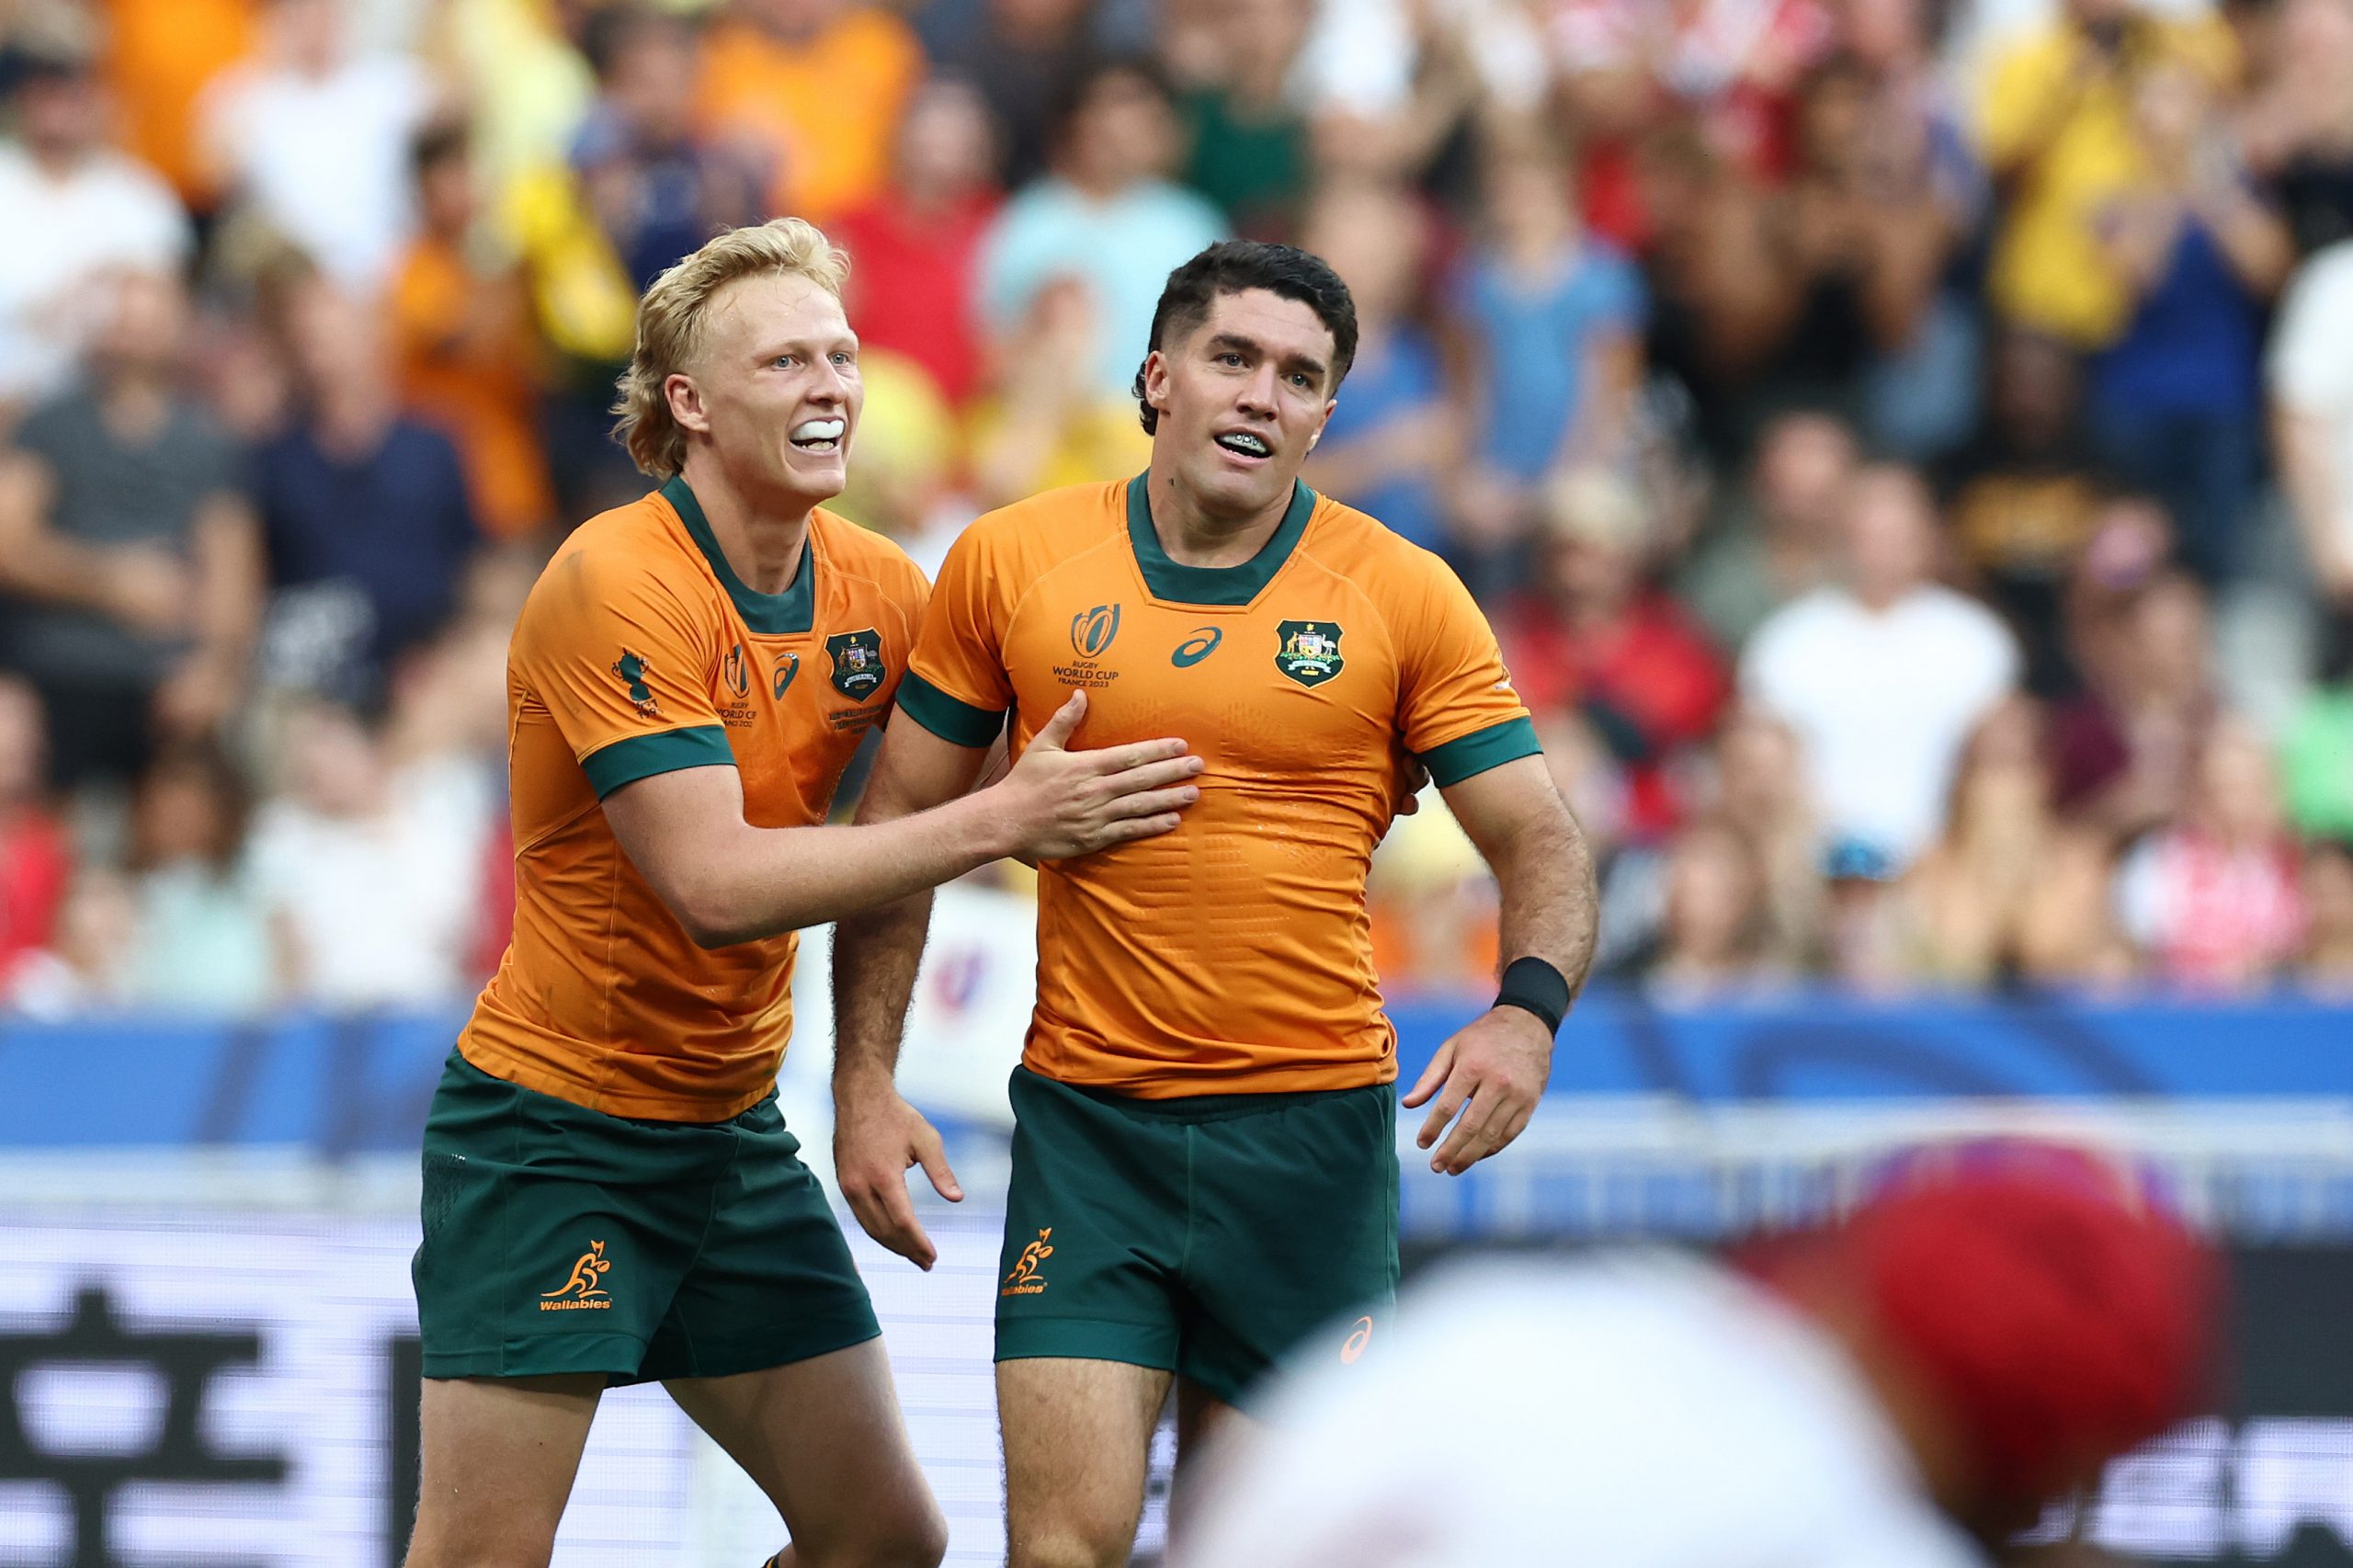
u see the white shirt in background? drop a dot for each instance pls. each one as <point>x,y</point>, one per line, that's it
<point>325,159</point>
<point>2310,364</point>
<point>1882,701</point>
<point>1635,1412</point>
<point>110,211</point>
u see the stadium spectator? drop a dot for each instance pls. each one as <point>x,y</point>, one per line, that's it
<point>1588,632</point>
<point>1716,934</point>
<point>1780,537</point>
<point>1759,791</point>
<point>2316,753</point>
<point>2009,894</point>
<point>160,56</point>
<point>2021,500</point>
<point>820,85</point>
<point>72,208</point>
<point>1884,674</point>
<point>2326,965</point>
<point>915,245</point>
<point>204,943</point>
<point>1395,432</point>
<point>1245,122</point>
<point>2297,134</point>
<point>2057,125</point>
<point>36,854</point>
<point>2126,746</point>
<point>1106,217</point>
<point>86,967</point>
<point>1553,318</point>
<point>349,819</point>
<point>1018,54</point>
<point>2213,900</point>
<point>1048,421</point>
<point>2175,397</point>
<point>2311,379</point>
<point>129,546</point>
<point>312,137</point>
<point>461,325</point>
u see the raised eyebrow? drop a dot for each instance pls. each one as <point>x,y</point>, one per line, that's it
<point>1235,341</point>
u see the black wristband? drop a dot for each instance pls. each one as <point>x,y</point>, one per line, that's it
<point>1534,986</point>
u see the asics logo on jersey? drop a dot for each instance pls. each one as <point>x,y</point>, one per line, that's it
<point>1024,1280</point>
<point>1091,631</point>
<point>585,1288</point>
<point>787,666</point>
<point>1199,646</point>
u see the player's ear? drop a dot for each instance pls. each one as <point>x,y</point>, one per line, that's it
<point>1322,423</point>
<point>686,404</point>
<point>1156,379</point>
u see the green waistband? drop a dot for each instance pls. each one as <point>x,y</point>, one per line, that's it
<point>1202,1107</point>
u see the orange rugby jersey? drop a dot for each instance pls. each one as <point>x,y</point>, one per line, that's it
<point>639,651</point>
<point>1233,954</point>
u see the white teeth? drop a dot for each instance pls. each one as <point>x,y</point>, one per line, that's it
<point>819,430</point>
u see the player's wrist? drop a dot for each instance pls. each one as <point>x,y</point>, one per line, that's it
<point>1535,987</point>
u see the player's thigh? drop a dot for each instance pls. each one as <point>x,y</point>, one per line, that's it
<point>1206,1427</point>
<point>499,1458</point>
<point>1077,1443</point>
<point>825,1440</point>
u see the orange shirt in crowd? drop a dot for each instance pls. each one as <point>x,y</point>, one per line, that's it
<point>826,107</point>
<point>160,56</point>
<point>1234,954</point>
<point>641,652</point>
<point>465,355</point>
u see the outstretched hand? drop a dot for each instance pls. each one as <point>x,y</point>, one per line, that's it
<point>878,1138</point>
<point>1492,1071</point>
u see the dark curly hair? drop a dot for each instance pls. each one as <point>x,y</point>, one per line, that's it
<point>1231,267</point>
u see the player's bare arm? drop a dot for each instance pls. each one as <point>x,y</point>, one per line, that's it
<point>728,882</point>
<point>1493,1070</point>
<point>878,1136</point>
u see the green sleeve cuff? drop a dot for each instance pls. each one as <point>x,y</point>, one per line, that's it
<point>642,756</point>
<point>950,718</point>
<point>1481,749</point>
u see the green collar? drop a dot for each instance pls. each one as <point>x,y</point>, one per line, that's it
<point>768,615</point>
<point>1212,585</point>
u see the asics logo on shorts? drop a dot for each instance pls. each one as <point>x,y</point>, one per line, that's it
<point>585,1288</point>
<point>1354,1345</point>
<point>1024,1280</point>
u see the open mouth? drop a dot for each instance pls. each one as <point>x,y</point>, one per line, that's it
<point>1245,445</point>
<point>819,435</point>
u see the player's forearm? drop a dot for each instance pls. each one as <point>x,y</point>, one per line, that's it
<point>876,956</point>
<point>763,881</point>
<point>1550,905</point>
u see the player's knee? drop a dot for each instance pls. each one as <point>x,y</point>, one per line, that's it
<point>898,1538</point>
<point>1071,1544</point>
<point>435,1547</point>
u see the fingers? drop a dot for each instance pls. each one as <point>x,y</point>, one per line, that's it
<point>1140,754</point>
<point>1152,802</point>
<point>1432,1077</point>
<point>1056,731</point>
<point>1155,775</point>
<point>1469,1143</point>
<point>1450,1100</point>
<point>932,1156</point>
<point>885,1212</point>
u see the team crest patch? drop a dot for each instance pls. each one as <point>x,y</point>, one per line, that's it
<point>857,663</point>
<point>1308,651</point>
<point>632,669</point>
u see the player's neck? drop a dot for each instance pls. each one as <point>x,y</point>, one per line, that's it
<point>760,537</point>
<point>1194,537</point>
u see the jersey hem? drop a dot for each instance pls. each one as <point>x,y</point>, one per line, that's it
<point>525,1075</point>
<point>633,757</point>
<point>1164,1084</point>
<point>1475,753</point>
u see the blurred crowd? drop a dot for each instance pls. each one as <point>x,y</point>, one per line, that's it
<point>1906,447</point>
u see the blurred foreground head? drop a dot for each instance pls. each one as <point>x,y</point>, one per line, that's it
<point>2023,1312</point>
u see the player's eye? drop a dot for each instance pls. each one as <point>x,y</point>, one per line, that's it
<point>844,356</point>
<point>1229,358</point>
<point>786,361</point>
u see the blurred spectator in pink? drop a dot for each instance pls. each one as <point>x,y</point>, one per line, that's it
<point>1590,633</point>
<point>1884,675</point>
<point>1107,218</point>
<point>1019,55</point>
<point>658,183</point>
<point>128,545</point>
<point>2325,966</point>
<point>364,509</point>
<point>1780,537</point>
<point>349,819</point>
<point>2175,397</point>
<point>86,967</point>
<point>36,854</point>
<point>2127,747</point>
<point>820,83</point>
<point>2212,899</point>
<point>2297,130</point>
<point>2010,894</point>
<point>1395,430</point>
<point>914,249</point>
<point>1246,123</point>
<point>71,207</point>
<point>1553,319</point>
<point>467,358</point>
<point>313,138</point>
<point>2022,499</point>
<point>1714,939</point>
<point>204,944</point>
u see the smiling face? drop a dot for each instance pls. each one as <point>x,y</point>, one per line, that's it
<point>1241,399</point>
<point>775,392</point>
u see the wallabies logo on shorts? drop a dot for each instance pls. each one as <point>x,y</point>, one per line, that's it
<point>1024,1280</point>
<point>857,663</point>
<point>587,1285</point>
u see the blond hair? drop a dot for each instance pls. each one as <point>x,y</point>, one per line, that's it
<point>673,318</point>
